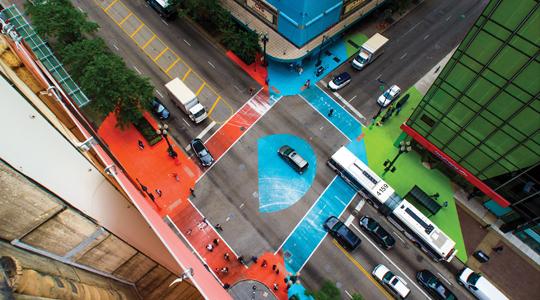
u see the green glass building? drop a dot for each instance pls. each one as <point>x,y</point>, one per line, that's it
<point>481,117</point>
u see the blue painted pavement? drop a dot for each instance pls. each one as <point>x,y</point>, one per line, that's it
<point>279,185</point>
<point>341,118</point>
<point>309,233</point>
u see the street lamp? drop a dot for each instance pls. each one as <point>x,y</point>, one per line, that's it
<point>162,130</point>
<point>264,40</point>
<point>324,38</point>
<point>404,147</point>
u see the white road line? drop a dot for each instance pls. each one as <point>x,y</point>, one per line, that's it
<point>159,93</point>
<point>211,65</point>
<point>314,250</point>
<point>187,148</point>
<point>237,88</point>
<point>186,122</point>
<point>397,235</point>
<point>390,261</point>
<point>449,17</point>
<point>349,106</point>
<point>164,22</point>
<point>80,9</point>
<point>403,56</point>
<point>442,277</point>
<point>412,28</point>
<point>378,76</point>
<point>349,220</point>
<point>205,131</point>
<point>348,294</point>
<point>187,42</point>
<point>116,47</point>
<point>324,116</point>
<point>307,213</point>
<point>425,38</point>
<point>352,99</point>
<point>137,70</point>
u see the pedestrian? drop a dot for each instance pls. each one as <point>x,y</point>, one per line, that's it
<point>251,91</point>
<point>226,286</point>
<point>274,267</point>
<point>330,112</point>
<point>241,259</point>
<point>398,109</point>
<point>264,263</point>
<point>192,191</point>
<point>218,227</point>
<point>498,249</point>
<point>209,247</point>
<point>300,70</point>
<point>176,177</point>
<point>141,145</point>
<point>254,259</point>
<point>216,242</point>
<point>307,84</point>
<point>188,233</point>
<point>152,197</point>
<point>226,256</point>
<point>294,278</point>
<point>158,191</point>
<point>224,270</point>
<point>276,286</point>
<point>277,271</point>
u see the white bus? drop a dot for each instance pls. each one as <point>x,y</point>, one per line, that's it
<point>400,212</point>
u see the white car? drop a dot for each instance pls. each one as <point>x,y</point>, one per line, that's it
<point>389,96</point>
<point>339,81</point>
<point>394,284</point>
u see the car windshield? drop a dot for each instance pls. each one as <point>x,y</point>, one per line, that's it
<point>372,225</point>
<point>203,152</point>
<point>388,276</point>
<point>199,113</point>
<point>387,95</point>
<point>473,278</point>
<point>198,147</point>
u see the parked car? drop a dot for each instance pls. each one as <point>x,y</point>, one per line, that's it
<point>389,96</point>
<point>394,284</point>
<point>434,286</point>
<point>204,156</point>
<point>159,109</point>
<point>342,233</point>
<point>339,81</point>
<point>479,286</point>
<point>379,234</point>
<point>296,161</point>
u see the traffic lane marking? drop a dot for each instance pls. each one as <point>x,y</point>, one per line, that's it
<point>390,261</point>
<point>363,270</point>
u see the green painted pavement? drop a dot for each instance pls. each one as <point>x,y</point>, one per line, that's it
<point>380,143</point>
<point>356,38</point>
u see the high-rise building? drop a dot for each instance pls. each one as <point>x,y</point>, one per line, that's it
<point>481,117</point>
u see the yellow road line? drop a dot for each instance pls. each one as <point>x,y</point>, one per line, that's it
<point>127,17</point>
<point>110,5</point>
<point>149,41</point>
<point>200,89</point>
<point>214,105</point>
<point>160,54</point>
<point>136,30</point>
<point>187,74</point>
<point>366,273</point>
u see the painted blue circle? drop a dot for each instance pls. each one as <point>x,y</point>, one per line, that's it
<point>280,186</point>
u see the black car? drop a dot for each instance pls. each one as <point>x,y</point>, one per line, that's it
<point>434,287</point>
<point>296,161</point>
<point>159,109</point>
<point>379,234</point>
<point>342,233</point>
<point>204,156</point>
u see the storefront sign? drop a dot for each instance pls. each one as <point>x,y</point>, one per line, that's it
<point>349,7</point>
<point>454,165</point>
<point>263,10</point>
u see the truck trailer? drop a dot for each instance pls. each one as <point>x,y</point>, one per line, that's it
<point>370,50</point>
<point>186,100</point>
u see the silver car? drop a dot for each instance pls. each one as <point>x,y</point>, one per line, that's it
<point>389,96</point>
<point>296,161</point>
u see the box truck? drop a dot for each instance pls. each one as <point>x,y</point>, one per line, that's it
<point>186,100</point>
<point>370,50</point>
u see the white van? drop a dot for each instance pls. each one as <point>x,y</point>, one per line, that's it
<point>479,286</point>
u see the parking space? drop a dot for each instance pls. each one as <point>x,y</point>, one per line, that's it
<point>219,110</point>
<point>248,191</point>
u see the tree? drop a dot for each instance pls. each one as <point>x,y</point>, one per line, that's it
<point>59,20</point>
<point>76,56</point>
<point>328,291</point>
<point>201,10</point>
<point>357,297</point>
<point>115,88</point>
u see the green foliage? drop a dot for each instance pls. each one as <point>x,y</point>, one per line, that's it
<point>76,56</point>
<point>357,297</point>
<point>59,20</point>
<point>209,13</point>
<point>147,131</point>
<point>328,291</point>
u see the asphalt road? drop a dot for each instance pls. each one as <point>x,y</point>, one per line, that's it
<point>416,43</point>
<point>201,54</point>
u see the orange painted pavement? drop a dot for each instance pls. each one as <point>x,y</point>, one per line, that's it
<point>256,70</point>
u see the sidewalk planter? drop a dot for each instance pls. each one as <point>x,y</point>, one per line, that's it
<point>147,131</point>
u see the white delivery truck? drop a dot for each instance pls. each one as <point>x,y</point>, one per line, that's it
<point>370,50</point>
<point>186,100</point>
